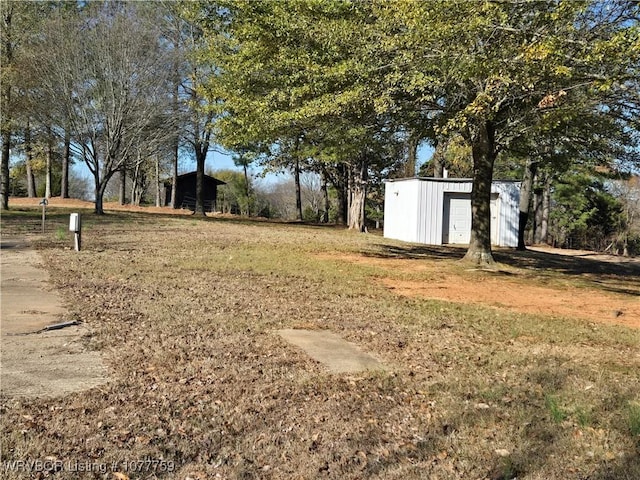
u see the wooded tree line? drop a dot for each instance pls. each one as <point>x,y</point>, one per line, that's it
<point>115,85</point>
<point>545,92</point>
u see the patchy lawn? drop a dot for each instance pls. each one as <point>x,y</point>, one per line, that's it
<point>184,311</point>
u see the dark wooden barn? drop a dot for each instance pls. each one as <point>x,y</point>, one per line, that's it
<point>186,191</point>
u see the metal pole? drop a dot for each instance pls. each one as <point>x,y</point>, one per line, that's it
<point>78,234</point>
<point>44,203</point>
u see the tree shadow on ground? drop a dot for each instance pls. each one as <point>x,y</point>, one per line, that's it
<point>568,264</point>
<point>415,252</point>
<point>614,276</point>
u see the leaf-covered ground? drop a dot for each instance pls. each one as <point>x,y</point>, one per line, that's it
<point>184,312</point>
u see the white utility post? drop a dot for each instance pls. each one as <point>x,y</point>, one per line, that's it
<point>75,225</point>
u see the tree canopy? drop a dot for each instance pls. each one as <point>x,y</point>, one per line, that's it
<point>355,75</point>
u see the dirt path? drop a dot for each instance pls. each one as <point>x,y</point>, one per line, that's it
<point>39,364</point>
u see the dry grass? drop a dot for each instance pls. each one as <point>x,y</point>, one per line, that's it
<point>184,311</point>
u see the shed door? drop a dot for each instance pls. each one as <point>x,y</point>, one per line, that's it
<point>456,226</point>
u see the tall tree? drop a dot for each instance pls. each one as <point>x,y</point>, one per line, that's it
<point>176,32</point>
<point>28,149</point>
<point>581,134</point>
<point>111,60</point>
<point>17,17</point>
<point>627,191</point>
<point>35,119</point>
<point>494,74</point>
<point>194,109</point>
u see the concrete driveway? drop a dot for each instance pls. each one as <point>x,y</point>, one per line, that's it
<point>34,362</point>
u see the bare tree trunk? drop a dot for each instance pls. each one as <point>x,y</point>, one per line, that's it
<point>122,197</point>
<point>176,140</point>
<point>247,190</point>
<point>5,125</point>
<point>174,175</point>
<point>200,160</point>
<point>526,188</point>
<point>31,181</point>
<point>438,157</point>
<point>325,196</point>
<point>483,149</point>
<point>157,181</point>
<point>412,154</point>
<point>358,195</point>
<point>49,167</point>
<point>99,194</point>
<point>101,187</point>
<point>99,202</point>
<point>135,186</point>
<point>4,168</point>
<point>342,188</point>
<point>339,179</point>
<point>537,212</point>
<point>546,204</point>
<point>66,160</point>
<point>296,177</point>
<point>341,216</point>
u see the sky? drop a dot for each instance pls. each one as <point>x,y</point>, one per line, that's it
<point>217,160</point>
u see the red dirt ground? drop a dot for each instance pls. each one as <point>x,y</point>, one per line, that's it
<point>74,203</point>
<point>503,292</point>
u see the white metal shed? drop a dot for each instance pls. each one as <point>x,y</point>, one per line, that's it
<point>437,211</point>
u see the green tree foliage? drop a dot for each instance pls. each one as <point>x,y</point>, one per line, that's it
<point>456,159</point>
<point>295,75</point>
<point>627,192</point>
<point>38,165</point>
<point>346,77</point>
<point>243,158</point>
<point>239,196</point>
<point>585,214</point>
<point>493,71</point>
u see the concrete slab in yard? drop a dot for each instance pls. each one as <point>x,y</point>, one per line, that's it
<point>28,303</point>
<point>331,350</point>
<point>38,364</point>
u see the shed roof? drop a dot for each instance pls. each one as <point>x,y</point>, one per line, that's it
<point>449,179</point>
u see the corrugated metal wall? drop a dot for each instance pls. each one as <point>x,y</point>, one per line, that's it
<point>435,196</point>
<point>401,210</point>
<point>414,209</point>
<point>509,212</point>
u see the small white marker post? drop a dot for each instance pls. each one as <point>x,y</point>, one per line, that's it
<point>75,225</point>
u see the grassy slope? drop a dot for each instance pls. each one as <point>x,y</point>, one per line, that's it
<point>184,311</point>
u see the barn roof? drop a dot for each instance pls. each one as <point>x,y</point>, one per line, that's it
<point>193,174</point>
